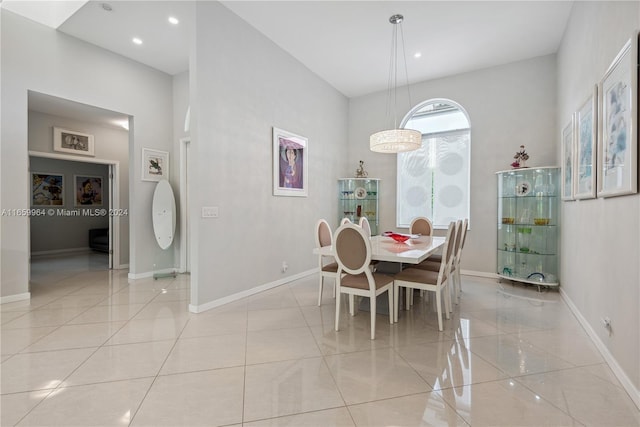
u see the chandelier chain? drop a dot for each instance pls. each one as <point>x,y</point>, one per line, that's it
<point>395,140</point>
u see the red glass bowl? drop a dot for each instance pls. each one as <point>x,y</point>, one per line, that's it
<point>400,238</point>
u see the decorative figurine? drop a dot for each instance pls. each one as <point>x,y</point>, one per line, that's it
<point>360,172</point>
<point>520,157</point>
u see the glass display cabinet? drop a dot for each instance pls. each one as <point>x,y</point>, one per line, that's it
<point>358,197</point>
<point>528,225</point>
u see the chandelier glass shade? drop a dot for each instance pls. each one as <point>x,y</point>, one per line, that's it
<point>395,140</point>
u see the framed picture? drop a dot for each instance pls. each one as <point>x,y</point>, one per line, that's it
<point>69,141</point>
<point>568,160</point>
<point>618,138</point>
<point>290,164</point>
<point>585,169</point>
<point>155,165</point>
<point>47,189</point>
<point>88,190</point>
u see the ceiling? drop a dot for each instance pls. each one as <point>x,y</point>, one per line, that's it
<point>346,43</point>
<point>60,107</point>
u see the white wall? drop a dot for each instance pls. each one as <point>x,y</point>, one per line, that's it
<point>600,238</point>
<point>38,58</point>
<point>109,143</point>
<point>180,106</point>
<point>508,106</point>
<point>241,86</point>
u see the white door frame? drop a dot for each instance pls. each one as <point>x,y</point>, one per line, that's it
<point>185,258</point>
<point>114,202</point>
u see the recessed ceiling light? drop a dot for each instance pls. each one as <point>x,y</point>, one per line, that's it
<point>107,7</point>
<point>417,55</point>
<point>173,20</point>
<point>136,40</point>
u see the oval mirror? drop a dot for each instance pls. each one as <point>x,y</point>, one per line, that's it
<point>163,212</point>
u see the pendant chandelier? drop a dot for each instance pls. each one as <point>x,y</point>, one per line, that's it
<point>395,140</point>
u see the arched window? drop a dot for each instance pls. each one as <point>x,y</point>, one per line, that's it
<point>433,181</point>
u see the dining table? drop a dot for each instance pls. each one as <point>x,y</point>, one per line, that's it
<point>386,249</point>
<point>383,248</point>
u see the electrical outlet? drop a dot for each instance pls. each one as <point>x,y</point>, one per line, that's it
<point>210,212</point>
<point>285,266</point>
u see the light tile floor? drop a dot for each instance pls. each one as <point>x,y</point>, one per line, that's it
<point>92,348</point>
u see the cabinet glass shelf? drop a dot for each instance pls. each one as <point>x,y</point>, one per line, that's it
<point>358,197</point>
<point>527,225</point>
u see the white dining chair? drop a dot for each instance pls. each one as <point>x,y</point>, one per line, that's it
<point>326,264</point>
<point>433,263</point>
<point>345,220</point>
<point>437,282</point>
<point>366,227</point>
<point>352,250</point>
<point>364,223</point>
<point>465,226</point>
<point>421,225</point>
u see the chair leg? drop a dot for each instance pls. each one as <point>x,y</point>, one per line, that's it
<point>408,292</point>
<point>454,286</point>
<point>447,303</point>
<point>372,304</point>
<point>396,301</point>
<point>320,290</point>
<point>337,311</point>
<point>390,295</point>
<point>352,310</point>
<point>439,309</point>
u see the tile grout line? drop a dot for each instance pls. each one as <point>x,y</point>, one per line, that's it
<point>155,377</point>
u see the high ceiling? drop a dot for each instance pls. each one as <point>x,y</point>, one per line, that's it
<point>347,43</point>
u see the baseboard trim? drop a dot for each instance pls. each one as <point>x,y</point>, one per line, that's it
<point>626,382</point>
<point>479,274</point>
<point>14,298</point>
<point>231,298</point>
<point>61,251</point>
<point>146,274</point>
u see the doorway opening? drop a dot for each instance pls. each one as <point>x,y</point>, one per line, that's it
<point>80,209</point>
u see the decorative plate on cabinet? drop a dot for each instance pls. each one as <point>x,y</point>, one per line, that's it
<point>523,188</point>
<point>360,193</point>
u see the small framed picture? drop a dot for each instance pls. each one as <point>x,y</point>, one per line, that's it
<point>618,136</point>
<point>155,165</point>
<point>585,169</point>
<point>290,164</point>
<point>72,142</point>
<point>568,159</point>
<point>88,190</point>
<point>47,189</point>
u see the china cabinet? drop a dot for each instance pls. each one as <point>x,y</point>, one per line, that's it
<point>528,225</point>
<point>358,197</point>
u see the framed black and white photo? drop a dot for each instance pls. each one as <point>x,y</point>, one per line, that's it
<point>155,165</point>
<point>618,118</point>
<point>72,142</point>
